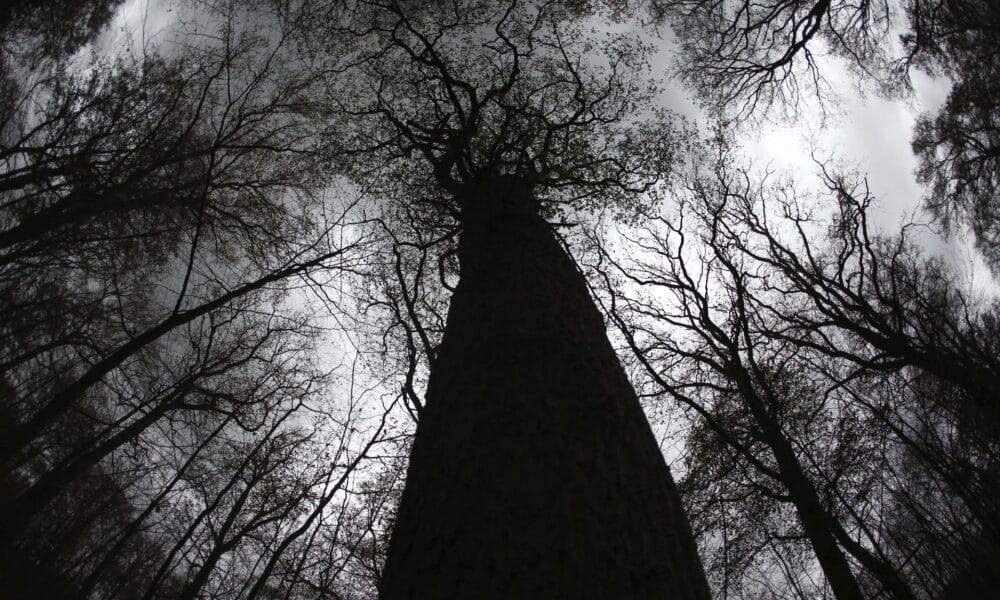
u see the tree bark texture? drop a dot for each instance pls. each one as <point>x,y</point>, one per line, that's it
<point>534,473</point>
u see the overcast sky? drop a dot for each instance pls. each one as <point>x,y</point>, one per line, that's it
<point>864,131</point>
<point>861,131</point>
<point>871,132</point>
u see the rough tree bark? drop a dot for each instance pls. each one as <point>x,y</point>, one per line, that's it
<point>534,473</point>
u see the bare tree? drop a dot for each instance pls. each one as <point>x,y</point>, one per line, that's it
<point>167,429</point>
<point>958,147</point>
<point>533,470</point>
<point>746,58</point>
<point>830,376</point>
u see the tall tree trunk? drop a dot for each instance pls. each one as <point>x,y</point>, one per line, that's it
<point>534,473</point>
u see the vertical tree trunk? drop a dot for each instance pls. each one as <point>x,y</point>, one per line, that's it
<point>534,473</point>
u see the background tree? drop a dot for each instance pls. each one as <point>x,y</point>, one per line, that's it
<point>168,428</point>
<point>849,351</point>
<point>958,147</point>
<point>747,58</point>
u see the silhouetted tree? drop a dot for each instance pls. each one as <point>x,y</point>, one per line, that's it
<point>850,352</point>
<point>746,58</point>
<point>533,470</point>
<point>752,400</point>
<point>166,428</point>
<point>959,147</point>
<point>34,32</point>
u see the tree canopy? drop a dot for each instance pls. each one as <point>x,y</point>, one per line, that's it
<point>253,263</point>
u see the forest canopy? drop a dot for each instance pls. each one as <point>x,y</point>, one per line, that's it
<point>462,298</point>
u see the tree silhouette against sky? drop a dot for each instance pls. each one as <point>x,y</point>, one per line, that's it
<point>534,472</point>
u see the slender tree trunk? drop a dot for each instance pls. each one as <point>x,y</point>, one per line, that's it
<point>534,473</point>
<point>821,527</point>
<point>817,523</point>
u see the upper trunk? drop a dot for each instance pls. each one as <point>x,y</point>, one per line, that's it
<point>534,473</point>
